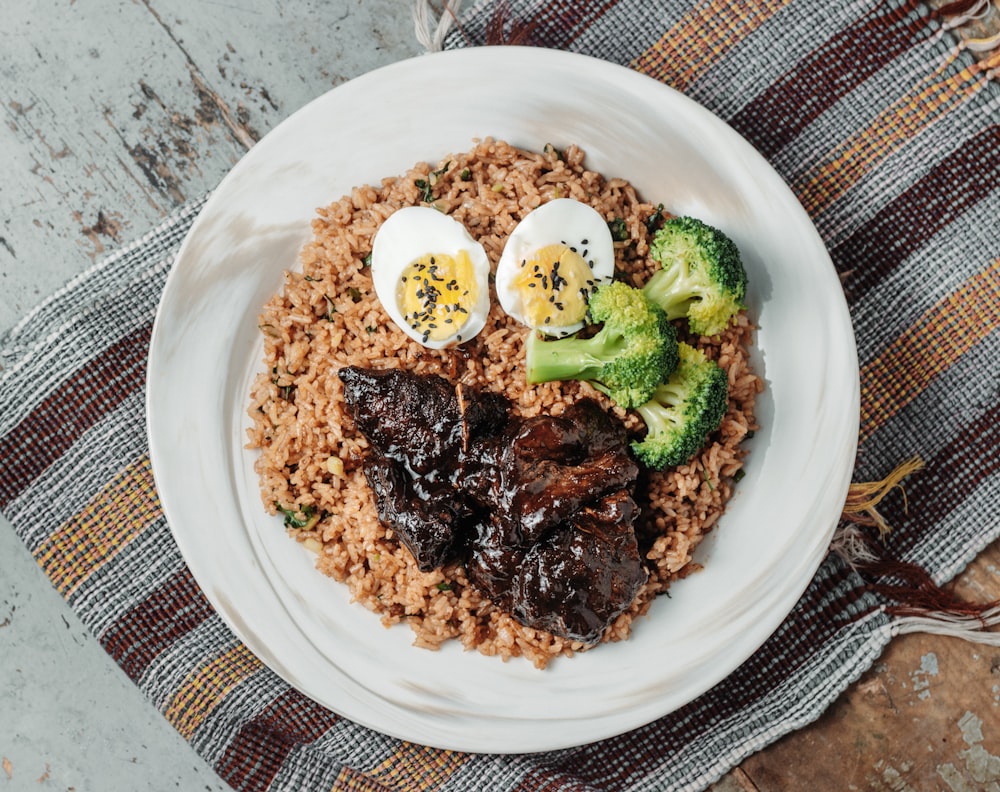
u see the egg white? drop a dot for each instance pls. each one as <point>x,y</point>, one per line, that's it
<point>410,234</point>
<point>554,311</point>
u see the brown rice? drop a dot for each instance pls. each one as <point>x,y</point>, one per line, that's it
<point>327,316</point>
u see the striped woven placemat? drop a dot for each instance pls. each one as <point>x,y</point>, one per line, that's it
<point>883,122</point>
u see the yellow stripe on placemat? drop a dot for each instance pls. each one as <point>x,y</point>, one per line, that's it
<point>205,688</point>
<point>114,517</point>
<point>413,766</point>
<point>351,780</point>
<point>701,37</point>
<point>929,100</point>
<point>932,345</point>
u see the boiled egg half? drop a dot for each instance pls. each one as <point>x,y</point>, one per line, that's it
<point>553,260</point>
<point>431,276</point>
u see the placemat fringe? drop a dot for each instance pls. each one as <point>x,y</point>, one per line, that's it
<point>919,603</point>
<point>863,497</point>
<point>969,627</point>
<point>431,29</point>
<point>975,24</point>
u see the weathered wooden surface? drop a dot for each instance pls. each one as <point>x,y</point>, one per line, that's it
<point>115,112</point>
<point>925,718</point>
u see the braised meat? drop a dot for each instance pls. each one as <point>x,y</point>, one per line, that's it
<point>412,420</point>
<point>540,510</point>
<point>582,575</point>
<point>542,470</point>
<point>426,516</point>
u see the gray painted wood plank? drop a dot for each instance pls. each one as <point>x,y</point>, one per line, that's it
<point>116,112</point>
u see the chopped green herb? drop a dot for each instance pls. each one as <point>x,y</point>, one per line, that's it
<point>292,518</point>
<point>371,329</point>
<point>444,586</point>
<point>367,261</point>
<point>465,175</point>
<point>355,294</point>
<point>619,231</point>
<point>426,186</point>
<point>739,475</point>
<point>550,149</point>
<point>654,220</point>
<point>309,278</point>
<point>331,309</point>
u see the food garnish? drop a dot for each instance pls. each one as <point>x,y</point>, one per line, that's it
<point>552,261</point>
<point>634,350</point>
<point>701,279</point>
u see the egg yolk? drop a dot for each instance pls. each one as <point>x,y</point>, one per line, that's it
<point>435,293</point>
<point>554,285</point>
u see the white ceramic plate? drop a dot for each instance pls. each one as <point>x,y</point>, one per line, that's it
<point>205,350</point>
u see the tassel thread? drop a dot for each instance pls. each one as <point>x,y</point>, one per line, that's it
<point>919,604</point>
<point>969,627</point>
<point>430,30</point>
<point>975,24</point>
<point>863,498</point>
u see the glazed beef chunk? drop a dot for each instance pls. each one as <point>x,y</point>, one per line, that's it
<point>412,420</point>
<point>427,519</point>
<point>580,577</point>
<point>540,510</point>
<point>542,470</point>
<point>417,427</point>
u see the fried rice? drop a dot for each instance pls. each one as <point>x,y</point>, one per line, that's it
<point>327,316</point>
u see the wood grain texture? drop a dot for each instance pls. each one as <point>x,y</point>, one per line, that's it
<point>116,112</point>
<point>925,718</point>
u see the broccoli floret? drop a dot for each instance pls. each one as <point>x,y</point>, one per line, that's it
<point>634,350</point>
<point>683,411</point>
<point>701,276</point>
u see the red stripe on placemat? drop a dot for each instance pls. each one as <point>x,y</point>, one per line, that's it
<point>557,24</point>
<point>256,754</point>
<point>965,177</point>
<point>948,478</point>
<point>561,22</point>
<point>75,405</point>
<point>830,72</point>
<point>172,610</point>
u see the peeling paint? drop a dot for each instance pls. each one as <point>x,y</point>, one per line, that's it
<point>921,677</point>
<point>106,225</point>
<point>982,769</point>
<point>891,779</point>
